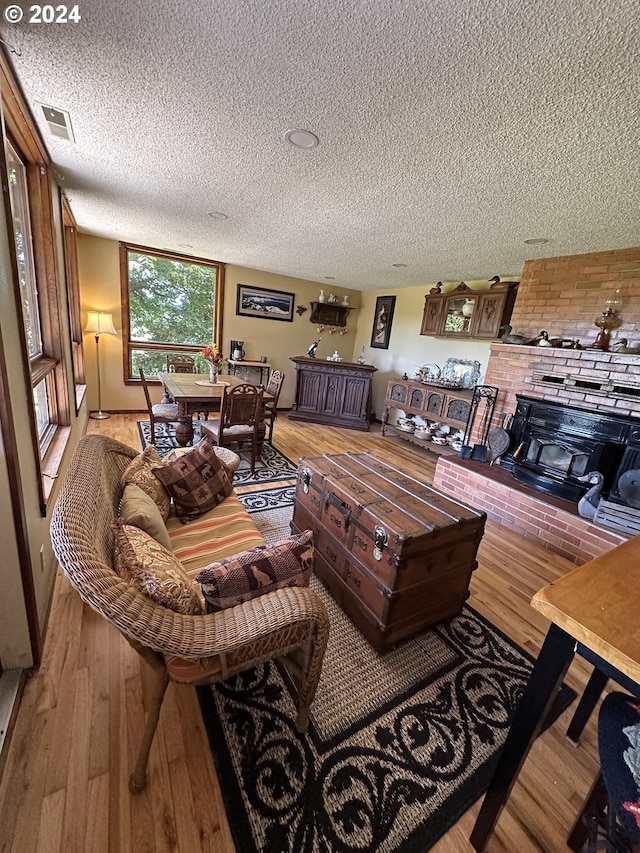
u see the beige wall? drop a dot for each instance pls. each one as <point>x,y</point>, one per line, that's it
<point>407,347</point>
<point>278,340</point>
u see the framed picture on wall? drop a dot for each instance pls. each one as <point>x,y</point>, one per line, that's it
<point>267,304</point>
<point>382,320</point>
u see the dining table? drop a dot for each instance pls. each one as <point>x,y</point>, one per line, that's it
<point>594,611</point>
<point>194,393</point>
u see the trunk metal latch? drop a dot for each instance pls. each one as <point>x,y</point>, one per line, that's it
<point>380,539</point>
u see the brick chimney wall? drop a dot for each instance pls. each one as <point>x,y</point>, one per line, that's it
<point>564,295</point>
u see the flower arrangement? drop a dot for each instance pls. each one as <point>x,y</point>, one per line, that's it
<point>212,354</point>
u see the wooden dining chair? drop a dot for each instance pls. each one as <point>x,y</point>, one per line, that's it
<point>240,420</point>
<point>274,387</point>
<point>159,413</point>
<point>181,364</point>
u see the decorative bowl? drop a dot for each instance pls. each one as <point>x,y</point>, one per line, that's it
<point>439,439</point>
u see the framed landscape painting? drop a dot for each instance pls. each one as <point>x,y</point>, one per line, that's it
<point>267,304</point>
<point>382,320</point>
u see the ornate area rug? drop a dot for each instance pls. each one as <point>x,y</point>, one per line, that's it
<point>271,467</point>
<point>399,745</point>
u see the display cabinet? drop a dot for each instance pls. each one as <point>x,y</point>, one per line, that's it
<point>467,313</point>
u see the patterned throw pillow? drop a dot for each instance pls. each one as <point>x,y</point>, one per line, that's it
<point>197,481</point>
<point>140,473</point>
<point>153,570</point>
<point>232,580</point>
<point>139,509</point>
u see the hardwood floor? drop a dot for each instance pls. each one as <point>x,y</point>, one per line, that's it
<point>64,786</point>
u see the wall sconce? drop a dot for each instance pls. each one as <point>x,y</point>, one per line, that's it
<point>100,323</point>
<point>607,320</point>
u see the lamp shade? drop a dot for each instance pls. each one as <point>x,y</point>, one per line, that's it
<point>100,323</point>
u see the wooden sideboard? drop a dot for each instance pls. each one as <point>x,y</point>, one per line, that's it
<point>332,392</point>
<point>432,403</point>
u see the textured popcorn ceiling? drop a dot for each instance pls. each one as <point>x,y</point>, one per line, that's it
<point>450,131</point>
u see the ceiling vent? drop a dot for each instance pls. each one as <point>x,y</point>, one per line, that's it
<point>58,122</point>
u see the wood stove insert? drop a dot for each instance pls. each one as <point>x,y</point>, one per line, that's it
<point>554,444</point>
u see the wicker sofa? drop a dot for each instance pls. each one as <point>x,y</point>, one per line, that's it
<point>289,624</point>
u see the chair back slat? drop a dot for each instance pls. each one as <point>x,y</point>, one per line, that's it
<point>181,364</point>
<point>241,405</point>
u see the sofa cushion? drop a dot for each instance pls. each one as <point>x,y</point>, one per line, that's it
<point>140,473</point>
<point>232,580</point>
<point>223,531</point>
<point>153,570</point>
<point>140,510</point>
<point>197,481</point>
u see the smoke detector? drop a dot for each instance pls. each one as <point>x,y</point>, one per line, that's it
<point>58,122</point>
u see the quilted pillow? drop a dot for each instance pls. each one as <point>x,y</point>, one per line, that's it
<point>232,580</point>
<point>153,570</point>
<point>140,510</point>
<point>197,481</point>
<point>140,473</point>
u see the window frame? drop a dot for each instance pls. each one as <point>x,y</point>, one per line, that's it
<point>21,132</point>
<point>127,344</point>
<point>74,307</point>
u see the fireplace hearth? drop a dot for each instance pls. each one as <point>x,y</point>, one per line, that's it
<point>553,445</point>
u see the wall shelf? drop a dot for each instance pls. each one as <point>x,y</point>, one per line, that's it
<point>329,313</point>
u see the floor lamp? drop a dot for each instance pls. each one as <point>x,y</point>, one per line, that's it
<point>100,323</point>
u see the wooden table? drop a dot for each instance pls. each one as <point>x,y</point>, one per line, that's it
<point>595,607</point>
<point>193,393</point>
<point>261,366</point>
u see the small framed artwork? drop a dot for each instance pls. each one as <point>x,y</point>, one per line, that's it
<point>267,304</point>
<point>382,320</point>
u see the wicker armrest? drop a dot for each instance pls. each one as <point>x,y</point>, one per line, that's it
<point>193,637</point>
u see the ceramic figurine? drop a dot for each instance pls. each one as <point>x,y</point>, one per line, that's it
<point>311,352</point>
<point>588,503</point>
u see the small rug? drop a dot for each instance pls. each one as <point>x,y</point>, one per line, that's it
<point>271,467</point>
<point>399,745</point>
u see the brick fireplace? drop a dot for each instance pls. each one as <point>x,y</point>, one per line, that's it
<point>563,296</point>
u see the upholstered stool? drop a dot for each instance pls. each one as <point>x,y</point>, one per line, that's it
<point>230,459</point>
<point>610,820</point>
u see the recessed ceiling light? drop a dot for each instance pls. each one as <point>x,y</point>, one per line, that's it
<point>185,245</point>
<point>216,214</point>
<point>535,241</point>
<point>330,277</point>
<point>398,265</point>
<point>301,138</point>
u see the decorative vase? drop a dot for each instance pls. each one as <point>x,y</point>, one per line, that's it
<point>467,308</point>
<point>321,296</point>
<point>213,374</point>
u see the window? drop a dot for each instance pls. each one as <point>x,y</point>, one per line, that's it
<point>171,303</point>
<point>30,195</point>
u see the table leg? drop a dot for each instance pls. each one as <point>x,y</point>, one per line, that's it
<point>587,703</point>
<point>184,426</point>
<point>545,681</point>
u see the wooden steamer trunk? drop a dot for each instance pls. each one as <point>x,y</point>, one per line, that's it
<point>396,554</point>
